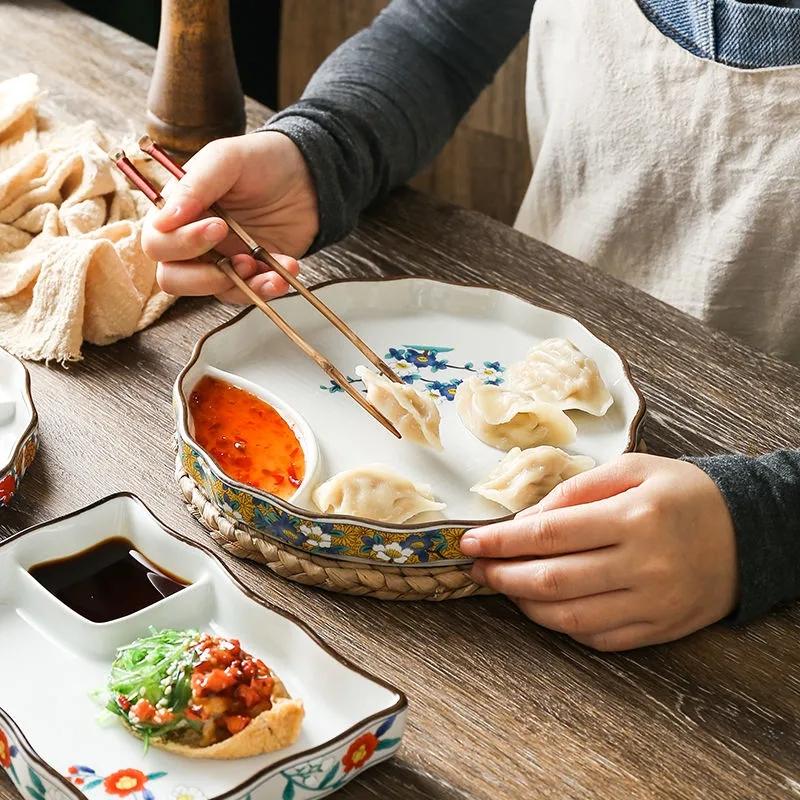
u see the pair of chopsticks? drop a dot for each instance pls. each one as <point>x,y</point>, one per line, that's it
<point>249,245</point>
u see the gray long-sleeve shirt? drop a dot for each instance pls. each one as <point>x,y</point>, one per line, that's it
<point>385,103</point>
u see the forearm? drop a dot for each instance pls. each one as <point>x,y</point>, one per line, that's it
<point>763,496</point>
<point>384,103</point>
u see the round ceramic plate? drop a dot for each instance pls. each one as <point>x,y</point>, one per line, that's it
<point>435,335</point>
<point>18,425</point>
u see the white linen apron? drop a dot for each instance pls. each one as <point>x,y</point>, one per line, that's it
<point>676,174</point>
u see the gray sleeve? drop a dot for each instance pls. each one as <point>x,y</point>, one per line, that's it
<point>763,496</point>
<point>384,104</point>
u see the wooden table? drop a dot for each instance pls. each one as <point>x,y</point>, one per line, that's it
<point>499,707</point>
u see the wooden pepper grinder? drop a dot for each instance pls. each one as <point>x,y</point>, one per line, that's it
<point>195,93</point>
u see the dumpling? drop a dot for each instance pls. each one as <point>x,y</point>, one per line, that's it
<point>555,371</point>
<point>524,477</point>
<point>506,419</point>
<point>374,492</point>
<point>415,415</point>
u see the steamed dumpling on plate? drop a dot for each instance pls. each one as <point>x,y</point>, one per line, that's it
<point>374,492</point>
<point>506,419</point>
<point>556,372</point>
<point>415,415</point>
<point>524,477</point>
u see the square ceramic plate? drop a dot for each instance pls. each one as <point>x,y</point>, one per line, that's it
<point>51,742</point>
<point>18,425</point>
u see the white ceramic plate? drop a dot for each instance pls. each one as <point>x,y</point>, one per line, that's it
<point>50,740</point>
<point>18,425</point>
<point>439,332</point>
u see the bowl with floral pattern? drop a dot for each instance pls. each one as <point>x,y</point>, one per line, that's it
<point>434,335</point>
<point>19,431</point>
<point>353,720</point>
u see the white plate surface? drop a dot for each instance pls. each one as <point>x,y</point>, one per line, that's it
<point>476,325</point>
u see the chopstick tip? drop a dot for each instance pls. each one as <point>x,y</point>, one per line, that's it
<point>145,143</point>
<point>117,155</point>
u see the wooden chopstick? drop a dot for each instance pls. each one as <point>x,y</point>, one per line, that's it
<point>158,153</point>
<point>126,166</point>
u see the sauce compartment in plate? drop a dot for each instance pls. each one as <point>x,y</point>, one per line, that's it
<point>251,435</point>
<point>79,583</point>
<point>108,581</point>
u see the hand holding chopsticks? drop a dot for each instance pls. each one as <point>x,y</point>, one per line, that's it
<point>250,246</point>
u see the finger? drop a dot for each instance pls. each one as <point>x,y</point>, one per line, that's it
<point>554,579</point>
<point>268,287</point>
<point>585,616</point>
<point>185,243</point>
<point>627,637</point>
<point>198,278</point>
<point>210,174</point>
<point>565,530</point>
<point>599,483</point>
<point>266,284</point>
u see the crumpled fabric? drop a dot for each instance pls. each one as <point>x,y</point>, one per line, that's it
<point>72,268</point>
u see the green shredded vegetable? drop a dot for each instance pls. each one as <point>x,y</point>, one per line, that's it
<point>157,668</point>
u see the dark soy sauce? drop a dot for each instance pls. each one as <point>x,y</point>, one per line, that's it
<point>108,581</point>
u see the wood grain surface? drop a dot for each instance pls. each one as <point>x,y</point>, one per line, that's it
<point>499,707</point>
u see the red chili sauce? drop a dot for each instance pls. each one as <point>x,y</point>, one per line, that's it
<point>247,438</point>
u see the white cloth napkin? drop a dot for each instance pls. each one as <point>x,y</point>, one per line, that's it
<point>71,263</point>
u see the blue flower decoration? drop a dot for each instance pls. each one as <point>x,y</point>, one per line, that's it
<point>425,359</point>
<point>231,501</point>
<point>424,543</point>
<point>446,390</point>
<point>397,353</point>
<point>279,524</point>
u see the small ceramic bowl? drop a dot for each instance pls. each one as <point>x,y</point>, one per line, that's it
<point>353,720</point>
<point>300,428</point>
<point>19,431</point>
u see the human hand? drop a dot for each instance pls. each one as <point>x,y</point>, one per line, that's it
<point>635,552</point>
<point>263,180</point>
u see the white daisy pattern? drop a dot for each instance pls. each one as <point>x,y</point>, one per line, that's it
<point>403,367</point>
<point>393,552</point>
<point>315,535</point>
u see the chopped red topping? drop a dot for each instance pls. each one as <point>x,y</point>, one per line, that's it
<point>144,710</point>
<point>229,686</point>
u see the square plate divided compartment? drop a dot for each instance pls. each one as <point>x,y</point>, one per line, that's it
<point>51,742</point>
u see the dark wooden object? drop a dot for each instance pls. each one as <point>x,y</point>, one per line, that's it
<point>500,709</point>
<point>195,94</point>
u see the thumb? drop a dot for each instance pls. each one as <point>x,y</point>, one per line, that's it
<point>210,174</point>
<point>599,483</point>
